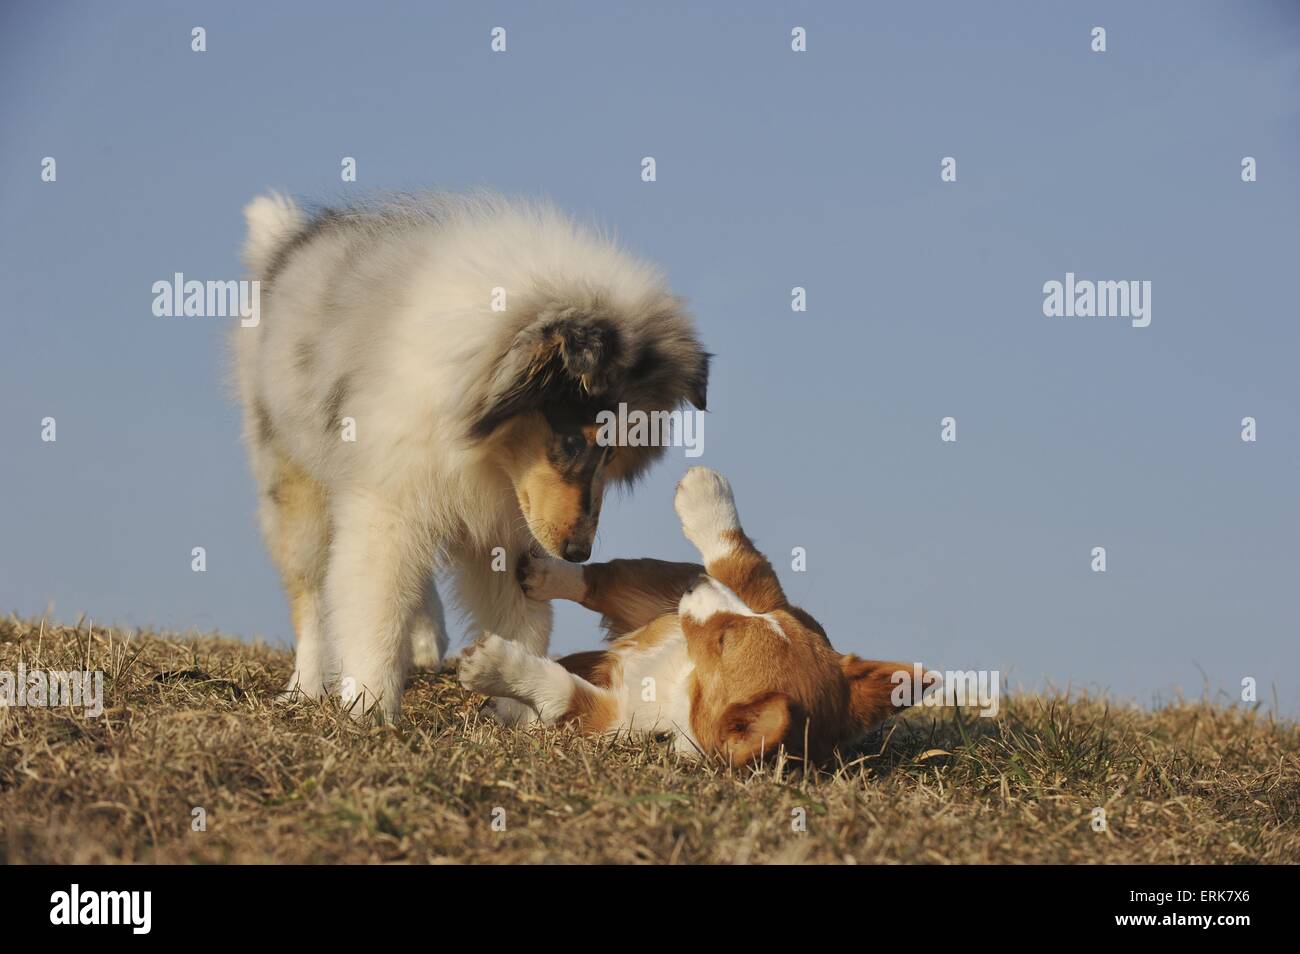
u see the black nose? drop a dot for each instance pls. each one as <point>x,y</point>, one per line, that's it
<point>576,552</point>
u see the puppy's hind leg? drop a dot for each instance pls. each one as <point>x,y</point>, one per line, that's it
<point>707,510</point>
<point>497,604</point>
<point>503,669</point>
<point>295,523</point>
<point>428,630</point>
<point>308,678</point>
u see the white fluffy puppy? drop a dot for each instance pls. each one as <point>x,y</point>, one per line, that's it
<point>421,390</point>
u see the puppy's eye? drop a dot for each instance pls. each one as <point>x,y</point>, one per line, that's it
<point>573,444</point>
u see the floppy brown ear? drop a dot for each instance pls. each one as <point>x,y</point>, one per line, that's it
<point>755,728</point>
<point>666,371</point>
<point>555,357</point>
<point>880,689</point>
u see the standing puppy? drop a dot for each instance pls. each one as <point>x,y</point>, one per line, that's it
<point>421,393</point>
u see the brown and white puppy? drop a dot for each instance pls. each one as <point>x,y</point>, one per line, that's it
<point>713,655</point>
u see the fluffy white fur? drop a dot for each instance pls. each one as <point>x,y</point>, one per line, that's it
<point>384,317</point>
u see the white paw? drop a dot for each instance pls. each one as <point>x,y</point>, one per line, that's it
<point>428,632</point>
<point>707,510</point>
<point>546,578</point>
<point>428,645</point>
<point>481,666</point>
<point>363,703</point>
<point>383,711</point>
<point>299,689</point>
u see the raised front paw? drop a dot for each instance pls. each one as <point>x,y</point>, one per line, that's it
<point>546,578</point>
<point>707,510</point>
<point>482,664</point>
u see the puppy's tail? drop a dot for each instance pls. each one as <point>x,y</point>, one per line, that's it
<point>272,220</point>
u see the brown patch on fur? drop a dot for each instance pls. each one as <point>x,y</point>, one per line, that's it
<point>748,574</point>
<point>299,610</point>
<point>740,659</point>
<point>628,594</point>
<point>598,667</point>
<point>592,709</point>
<point>650,635</point>
<point>806,619</point>
<point>552,505</point>
<point>830,699</point>
<point>556,507</point>
<point>300,524</point>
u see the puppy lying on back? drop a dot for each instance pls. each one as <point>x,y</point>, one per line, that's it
<point>718,659</point>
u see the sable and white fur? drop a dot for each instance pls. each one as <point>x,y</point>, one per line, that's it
<point>712,655</point>
<point>382,319</point>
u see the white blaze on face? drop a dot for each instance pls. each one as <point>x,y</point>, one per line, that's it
<point>711,597</point>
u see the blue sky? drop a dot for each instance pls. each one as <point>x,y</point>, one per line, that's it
<point>775,169</point>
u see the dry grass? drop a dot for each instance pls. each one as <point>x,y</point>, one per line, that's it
<point>192,722</point>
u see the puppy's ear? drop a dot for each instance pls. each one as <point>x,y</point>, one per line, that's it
<point>557,356</point>
<point>878,689</point>
<point>755,728</point>
<point>588,348</point>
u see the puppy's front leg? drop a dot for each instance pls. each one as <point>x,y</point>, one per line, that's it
<point>546,578</point>
<point>707,509</point>
<point>628,593</point>
<point>428,629</point>
<point>372,589</point>
<point>498,604</point>
<point>500,668</point>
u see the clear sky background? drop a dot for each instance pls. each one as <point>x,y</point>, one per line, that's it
<point>775,169</point>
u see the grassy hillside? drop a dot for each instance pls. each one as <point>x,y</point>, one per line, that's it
<point>192,723</point>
